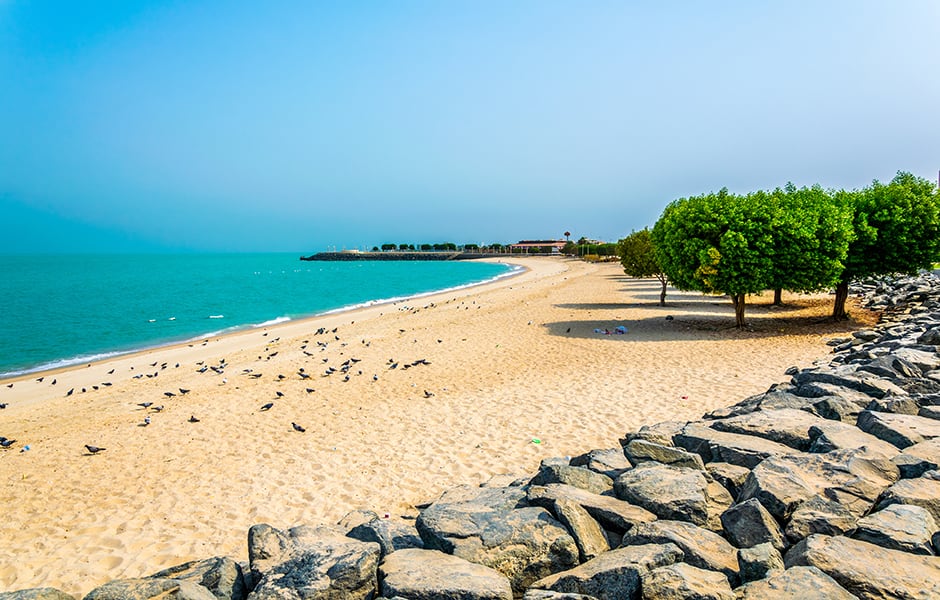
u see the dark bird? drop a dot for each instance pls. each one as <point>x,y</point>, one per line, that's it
<point>145,404</point>
<point>94,387</point>
<point>267,406</point>
<point>568,330</point>
<point>40,379</point>
<point>428,394</point>
<point>169,394</point>
<point>193,419</point>
<point>111,372</point>
<point>298,427</point>
<point>7,443</point>
<point>304,375</point>
<point>156,408</point>
<point>9,385</point>
<point>310,390</point>
<point>375,378</point>
<point>153,364</point>
<point>4,405</point>
<point>281,377</point>
<point>279,394</point>
<point>184,392</point>
<point>146,422</point>
<point>106,384</point>
<point>53,382</point>
<point>394,366</point>
<point>94,449</point>
<point>255,375</point>
<point>69,393</point>
<point>202,370</point>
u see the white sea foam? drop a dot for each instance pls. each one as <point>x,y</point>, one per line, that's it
<point>65,362</point>
<point>271,322</point>
<point>216,316</point>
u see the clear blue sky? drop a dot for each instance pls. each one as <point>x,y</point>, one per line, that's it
<point>293,126</point>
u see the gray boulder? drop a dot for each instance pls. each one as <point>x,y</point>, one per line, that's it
<point>719,446</point>
<point>827,436</point>
<point>748,524</point>
<point>847,477</point>
<point>899,527</point>
<point>46,593</point>
<point>923,492</point>
<point>534,594</point>
<point>682,581</point>
<point>848,376</point>
<point>819,391</point>
<point>702,548</point>
<point>867,570</point>
<point>676,493</point>
<point>661,433</point>
<point>612,575</point>
<point>785,426</point>
<point>796,583</point>
<point>146,589</point>
<point>731,477</point>
<point>586,532</point>
<point>222,576</point>
<point>819,515</point>
<point>610,461</point>
<point>389,534</point>
<point>925,361</point>
<point>929,412</point>
<point>916,460</point>
<point>758,562</point>
<point>641,451</point>
<point>838,409</point>
<point>524,544</point>
<point>311,563</point>
<point>777,397</point>
<point>610,512</point>
<point>900,430</point>
<point>903,405</point>
<point>579,477</point>
<point>429,575</point>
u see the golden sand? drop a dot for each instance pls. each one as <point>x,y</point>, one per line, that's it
<point>516,374</point>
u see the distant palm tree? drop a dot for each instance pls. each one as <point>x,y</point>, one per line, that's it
<point>567,236</point>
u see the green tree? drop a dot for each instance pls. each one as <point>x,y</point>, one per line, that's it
<point>569,249</point>
<point>897,230</point>
<point>638,257</point>
<point>718,243</point>
<point>387,247</point>
<point>811,234</point>
<point>425,247</point>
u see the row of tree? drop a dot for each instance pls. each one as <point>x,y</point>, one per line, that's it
<point>796,239</point>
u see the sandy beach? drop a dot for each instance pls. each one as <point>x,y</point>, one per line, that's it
<point>440,391</point>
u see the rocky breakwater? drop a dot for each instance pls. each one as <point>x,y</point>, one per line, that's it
<point>826,487</point>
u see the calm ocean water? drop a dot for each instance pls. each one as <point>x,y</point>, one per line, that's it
<point>61,310</point>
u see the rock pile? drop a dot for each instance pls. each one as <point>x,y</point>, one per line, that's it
<point>826,487</point>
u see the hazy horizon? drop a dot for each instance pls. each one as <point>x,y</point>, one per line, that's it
<point>290,127</point>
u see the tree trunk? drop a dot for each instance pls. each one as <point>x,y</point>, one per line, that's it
<point>738,300</point>
<point>778,297</point>
<point>662,294</point>
<point>842,294</point>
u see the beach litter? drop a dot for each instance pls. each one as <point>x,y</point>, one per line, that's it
<point>536,441</point>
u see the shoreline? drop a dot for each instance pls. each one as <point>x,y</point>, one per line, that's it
<point>475,377</point>
<point>108,355</point>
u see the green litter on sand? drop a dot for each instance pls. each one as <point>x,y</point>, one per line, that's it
<point>536,441</point>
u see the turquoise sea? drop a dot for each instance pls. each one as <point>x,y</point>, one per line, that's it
<point>61,310</point>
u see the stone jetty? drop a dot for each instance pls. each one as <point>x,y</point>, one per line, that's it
<point>825,487</point>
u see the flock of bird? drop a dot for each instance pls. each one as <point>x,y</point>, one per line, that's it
<point>347,369</point>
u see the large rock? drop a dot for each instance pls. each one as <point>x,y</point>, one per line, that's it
<point>925,361</point>
<point>221,575</point>
<point>702,548</point>
<point>609,461</point>
<point>923,492</point>
<point>610,512</point>
<point>534,594</point>
<point>847,477</point>
<point>819,515</point>
<point>586,532</point>
<point>758,562</point>
<point>640,451</point>
<point>916,460</point>
<point>848,376</point>
<point>661,433</point>
<point>786,426</point>
<point>796,583</point>
<point>899,527</point>
<point>612,575</point>
<point>147,589</point>
<point>778,397</point>
<point>579,477</point>
<point>681,581</point>
<point>676,493</point>
<point>838,409</point>
<point>900,430</point>
<point>389,534</point>
<point>719,446</point>
<point>46,593</point>
<point>827,436</point>
<point>731,477</point>
<point>819,391</point>
<point>867,570</point>
<point>311,563</point>
<point>523,544</point>
<point>428,575</point>
<point>748,524</point>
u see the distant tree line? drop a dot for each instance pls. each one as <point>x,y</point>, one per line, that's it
<point>796,239</point>
<point>445,247</point>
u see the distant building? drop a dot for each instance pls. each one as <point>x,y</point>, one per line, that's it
<point>538,246</point>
